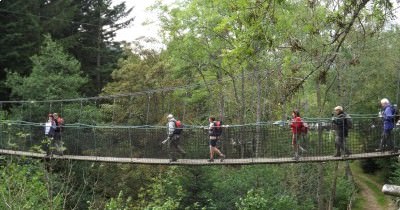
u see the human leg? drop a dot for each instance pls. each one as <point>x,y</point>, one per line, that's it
<point>213,144</point>
<point>58,144</point>
<point>383,144</point>
<point>46,143</point>
<point>337,146</point>
<point>390,141</point>
<point>295,146</point>
<point>345,147</point>
<point>179,149</point>
<point>173,147</point>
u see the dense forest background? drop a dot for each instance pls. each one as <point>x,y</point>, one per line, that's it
<point>243,61</point>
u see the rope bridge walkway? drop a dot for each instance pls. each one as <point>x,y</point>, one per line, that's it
<point>262,143</point>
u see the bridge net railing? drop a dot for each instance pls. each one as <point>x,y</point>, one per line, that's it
<point>261,140</point>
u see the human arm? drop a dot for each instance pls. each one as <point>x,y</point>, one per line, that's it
<point>171,128</point>
<point>338,120</point>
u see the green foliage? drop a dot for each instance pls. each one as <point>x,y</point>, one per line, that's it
<point>164,193</point>
<point>24,186</point>
<point>253,200</point>
<point>344,190</point>
<point>369,166</point>
<point>395,176</point>
<point>244,60</point>
<point>211,188</point>
<point>54,75</point>
<point>95,48</point>
<point>136,73</point>
<point>119,203</point>
<point>258,200</point>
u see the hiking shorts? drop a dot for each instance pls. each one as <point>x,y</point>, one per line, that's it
<point>213,142</point>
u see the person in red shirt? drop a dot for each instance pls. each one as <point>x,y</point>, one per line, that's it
<point>296,125</point>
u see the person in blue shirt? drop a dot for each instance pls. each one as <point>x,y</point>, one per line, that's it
<point>388,125</point>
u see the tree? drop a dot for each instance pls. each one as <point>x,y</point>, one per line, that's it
<point>96,49</point>
<point>24,186</point>
<point>55,75</point>
<point>22,24</point>
<point>137,72</point>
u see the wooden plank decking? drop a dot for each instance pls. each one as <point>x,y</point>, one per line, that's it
<point>155,161</point>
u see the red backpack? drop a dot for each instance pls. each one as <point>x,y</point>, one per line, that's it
<point>178,127</point>
<point>60,124</point>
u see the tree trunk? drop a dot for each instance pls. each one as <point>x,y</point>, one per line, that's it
<point>320,192</point>
<point>333,188</point>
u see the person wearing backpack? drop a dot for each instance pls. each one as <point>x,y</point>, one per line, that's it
<point>297,127</point>
<point>49,129</point>
<point>50,126</point>
<point>214,132</point>
<point>174,131</point>
<point>341,125</point>
<point>388,116</point>
<point>59,122</point>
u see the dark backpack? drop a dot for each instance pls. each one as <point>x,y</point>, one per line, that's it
<point>349,121</point>
<point>217,129</point>
<point>396,114</point>
<point>178,127</point>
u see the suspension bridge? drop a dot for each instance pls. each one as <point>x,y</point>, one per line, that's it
<point>259,143</point>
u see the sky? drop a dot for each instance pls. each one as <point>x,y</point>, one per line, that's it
<point>137,29</point>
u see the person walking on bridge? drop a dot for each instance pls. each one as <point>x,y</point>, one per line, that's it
<point>174,139</point>
<point>59,128</point>
<point>341,126</point>
<point>214,132</point>
<point>49,130</point>
<point>387,115</point>
<point>296,125</point>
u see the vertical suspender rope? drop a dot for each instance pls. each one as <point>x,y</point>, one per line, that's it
<point>397,103</point>
<point>94,133</point>
<point>148,108</point>
<point>347,141</point>
<point>113,113</point>
<point>169,103</point>
<point>147,119</point>
<point>184,107</point>
<point>30,120</point>
<point>77,140</point>
<point>129,128</point>
<point>61,115</point>
<point>398,87</point>
<point>112,124</point>
<point>2,117</point>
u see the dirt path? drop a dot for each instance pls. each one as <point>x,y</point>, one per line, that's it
<point>368,195</point>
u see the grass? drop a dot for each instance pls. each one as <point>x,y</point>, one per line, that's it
<point>374,182</point>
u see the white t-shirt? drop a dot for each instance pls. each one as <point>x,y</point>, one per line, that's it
<point>47,128</point>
